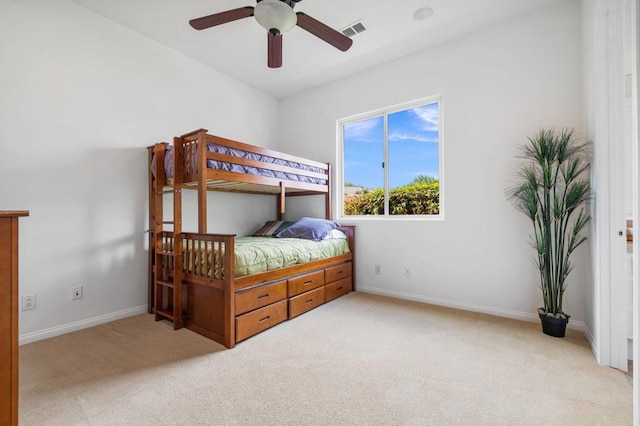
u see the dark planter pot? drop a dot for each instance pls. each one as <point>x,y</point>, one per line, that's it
<point>555,327</point>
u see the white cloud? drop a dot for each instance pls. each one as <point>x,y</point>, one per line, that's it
<point>429,116</point>
<point>419,137</point>
<point>362,130</point>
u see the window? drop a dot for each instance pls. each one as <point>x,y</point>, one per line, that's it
<point>392,162</point>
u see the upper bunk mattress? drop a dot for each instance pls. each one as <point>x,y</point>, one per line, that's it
<point>239,168</point>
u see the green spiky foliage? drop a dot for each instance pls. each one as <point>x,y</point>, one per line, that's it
<point>553,191</point>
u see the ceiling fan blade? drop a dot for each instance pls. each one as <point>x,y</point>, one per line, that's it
<point>274,53</point>
<point>221,18</point>
<point>320,30</point>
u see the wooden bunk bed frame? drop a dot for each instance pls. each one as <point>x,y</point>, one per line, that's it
<point>203,298</point>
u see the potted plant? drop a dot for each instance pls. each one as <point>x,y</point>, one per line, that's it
<point>553,190</point>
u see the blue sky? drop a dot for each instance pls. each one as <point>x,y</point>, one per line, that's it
<point>413,148</point>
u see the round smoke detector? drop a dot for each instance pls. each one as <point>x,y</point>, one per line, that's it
<point>422,13</point>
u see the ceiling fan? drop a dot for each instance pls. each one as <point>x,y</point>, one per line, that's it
<point>277,17</point>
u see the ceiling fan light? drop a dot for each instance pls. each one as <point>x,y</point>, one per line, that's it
<point>275,14</point>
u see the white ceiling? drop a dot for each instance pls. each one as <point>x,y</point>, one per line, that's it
<point>239,48</point>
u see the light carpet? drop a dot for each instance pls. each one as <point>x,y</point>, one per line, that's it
<point>359,360</point>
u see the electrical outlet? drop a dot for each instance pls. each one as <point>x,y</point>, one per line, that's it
<point>407,272</point>
<point>378,269</point>
<point>76,293</point>
<point>28,302</point>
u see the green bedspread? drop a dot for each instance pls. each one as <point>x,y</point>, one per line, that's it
<point>260,254</point>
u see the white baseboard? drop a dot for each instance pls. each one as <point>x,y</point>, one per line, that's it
<point>79,325</point>
<point>592,342</point>
<point>499,312</point>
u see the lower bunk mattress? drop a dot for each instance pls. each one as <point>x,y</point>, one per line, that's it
<point>253,255</point>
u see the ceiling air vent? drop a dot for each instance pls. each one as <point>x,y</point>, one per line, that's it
<point>353,29</point>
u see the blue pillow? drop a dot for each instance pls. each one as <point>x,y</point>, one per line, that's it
<point>308,228</point>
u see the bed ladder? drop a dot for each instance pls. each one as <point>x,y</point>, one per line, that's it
<point>168,278</point>
<point>168,253</point>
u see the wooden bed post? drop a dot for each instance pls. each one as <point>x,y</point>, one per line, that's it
<point>229,297</point>
<point>327,197</point>
<point>179,308</point>
<point>150,231</point>
<point>202,181</point>
<point>281,201</point>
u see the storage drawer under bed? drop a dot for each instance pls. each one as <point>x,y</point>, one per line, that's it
<point>306,282</point>
<point>337,288</point>
<point>335,273</point>
<point>259,320</point>
<point>258,297</point>
<point>305,302</point>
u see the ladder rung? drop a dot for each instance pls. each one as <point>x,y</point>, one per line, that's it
<point>165,253</point>
<point>166,222</point>
<point>166,284</point>
<point>165,314</point>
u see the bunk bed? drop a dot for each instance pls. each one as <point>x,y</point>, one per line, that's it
<point>193,279</point>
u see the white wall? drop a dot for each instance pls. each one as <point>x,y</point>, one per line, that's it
<point>498,86</point>
<point>81,98</point>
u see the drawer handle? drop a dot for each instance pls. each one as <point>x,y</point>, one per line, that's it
<point>308,282</point>
<point>339,272</point>
<point>339,288</point>
<point>309,301</point>
<point>264,296</point>
<point>265,319</point>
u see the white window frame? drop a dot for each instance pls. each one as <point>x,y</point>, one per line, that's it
<point>339,209</point>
